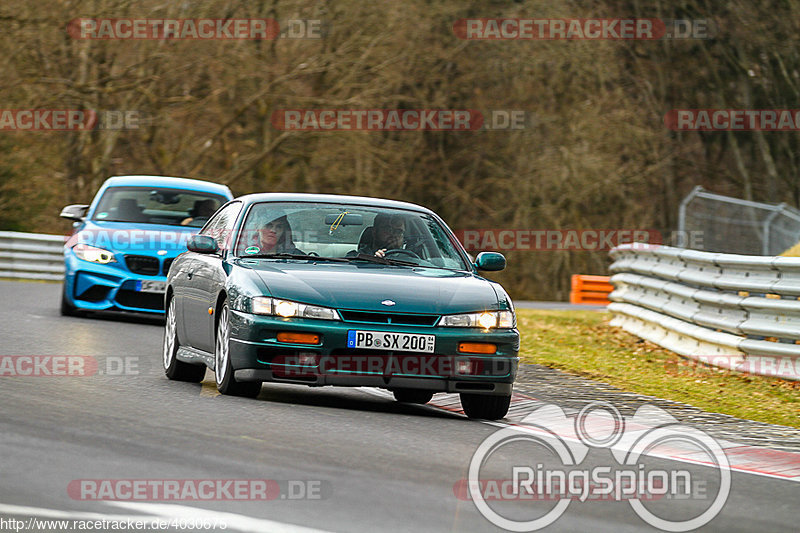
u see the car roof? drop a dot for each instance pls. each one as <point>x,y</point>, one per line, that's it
<point>168,181</point>
<point>333,198</point>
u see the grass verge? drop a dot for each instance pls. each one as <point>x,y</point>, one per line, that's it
<point>582,343</point>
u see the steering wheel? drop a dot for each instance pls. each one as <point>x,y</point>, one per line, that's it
<point>403,251</point>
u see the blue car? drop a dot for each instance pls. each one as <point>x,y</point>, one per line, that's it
<point>125,241</point>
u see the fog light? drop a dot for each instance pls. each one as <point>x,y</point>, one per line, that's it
<point>298,338</point>
<point>464,367</point>
<point>477,347</point>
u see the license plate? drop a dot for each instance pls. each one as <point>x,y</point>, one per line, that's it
<point>386,340</point>
<point>150,285</point>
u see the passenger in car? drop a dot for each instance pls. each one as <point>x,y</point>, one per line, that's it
<point>276,237</point>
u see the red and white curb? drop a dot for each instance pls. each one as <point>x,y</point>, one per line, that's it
<point>743,458</point>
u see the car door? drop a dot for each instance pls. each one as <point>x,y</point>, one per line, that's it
<point>203,283</point>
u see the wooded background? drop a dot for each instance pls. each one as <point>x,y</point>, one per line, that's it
<point>595,152</point>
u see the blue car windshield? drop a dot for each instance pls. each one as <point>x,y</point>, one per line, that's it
<point>347,231</point>
<point>156,205</point>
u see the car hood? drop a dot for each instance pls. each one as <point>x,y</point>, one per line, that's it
<point>364,286</point>
<point>125,237</point>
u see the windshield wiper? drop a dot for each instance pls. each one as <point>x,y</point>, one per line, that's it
<point>381,260</point>
<point>293,256</point>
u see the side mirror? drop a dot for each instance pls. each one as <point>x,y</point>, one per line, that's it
<point>202,244</point>
<point>490,261</point>
<point>74,212</point>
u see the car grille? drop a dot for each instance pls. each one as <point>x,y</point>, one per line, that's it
<point>95,293</point>
<point>141,264</point>
<point>141,300</point>
<point>389,318</point>
<point>167,264</point>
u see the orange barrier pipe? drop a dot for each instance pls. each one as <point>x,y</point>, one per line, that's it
<point>590,289</point>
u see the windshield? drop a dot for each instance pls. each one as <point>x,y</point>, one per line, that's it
<point>345,231</point>
<point>154,205</point>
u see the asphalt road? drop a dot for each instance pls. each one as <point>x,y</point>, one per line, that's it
<point>370,463</point>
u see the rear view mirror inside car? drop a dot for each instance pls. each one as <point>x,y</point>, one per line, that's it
<point>346,219</point>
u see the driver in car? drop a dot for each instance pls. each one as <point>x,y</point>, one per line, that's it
<point>387,234</point>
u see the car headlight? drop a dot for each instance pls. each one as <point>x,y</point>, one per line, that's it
<point>485,320</point>
<point>264,305</point>
<point>94,254</point>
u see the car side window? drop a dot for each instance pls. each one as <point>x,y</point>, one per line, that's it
<point>221,225</point>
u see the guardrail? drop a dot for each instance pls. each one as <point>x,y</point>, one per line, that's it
<point>31,256</point>
<point>739,312</point>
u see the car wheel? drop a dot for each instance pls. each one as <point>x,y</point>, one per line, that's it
<point>485,406</point>
<point>67,309</point>
<point>174,369</point>
<point>412,395</point>
<point>226,383</point>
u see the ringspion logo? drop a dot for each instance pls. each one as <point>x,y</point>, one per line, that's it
<point>557,469</point>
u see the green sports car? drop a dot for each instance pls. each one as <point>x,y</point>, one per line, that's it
<point>340,290</point>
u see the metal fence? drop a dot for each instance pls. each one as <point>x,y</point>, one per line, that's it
<point>732,225</point>
<point>31,256</point>
<point>734,311</point>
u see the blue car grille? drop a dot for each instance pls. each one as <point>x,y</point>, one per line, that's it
<point>95,293</point>
<point>142,300</point>
<point>167,264</point>
<point>142,264</point>
<point>389,318</point>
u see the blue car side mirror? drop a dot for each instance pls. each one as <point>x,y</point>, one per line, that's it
<point>202,244</point>
<point>490,261</point>
<point>76,212</point>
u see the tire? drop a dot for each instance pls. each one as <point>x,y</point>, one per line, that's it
<point>223,370</point>
<point>412,396</point>
<point>484,406</point>
<point>67,309</point>
<point>174,369</point>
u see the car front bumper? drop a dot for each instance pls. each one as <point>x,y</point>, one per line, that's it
<point>109,288</point>
<point>257,355</point>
